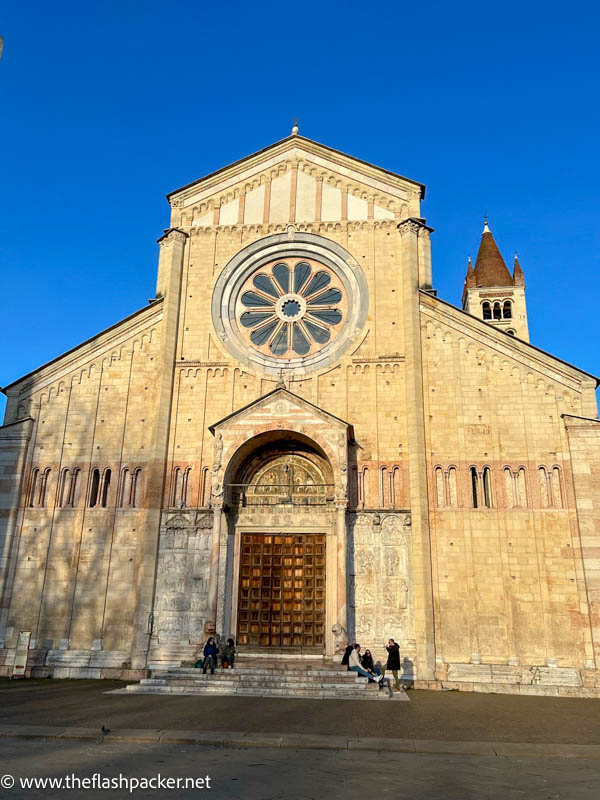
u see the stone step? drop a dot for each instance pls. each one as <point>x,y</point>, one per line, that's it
<point>176,672</point>
<point>249,684</point>
<point>344,677</point>
<point>271,677</point>
<point>265,692</point>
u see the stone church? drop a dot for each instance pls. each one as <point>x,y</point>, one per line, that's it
<point>297,442</point>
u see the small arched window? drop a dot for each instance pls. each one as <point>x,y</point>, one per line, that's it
<point>556,490</point>
<point>497,311</point>
<point>507,310</point>
<point>440,489</point>
<point>474,486</point>
<point>510,332</point>
<point>363,486</point>
<point>185,487</point>
<point>74,488</point>
<point>35,487</point>
<point>383,487</point>
<point>176,492</point>
<point>94,488</point>
<point>487,487</point>
<point>64,488</point>
<point>124,492</point>
<point>521,488</point>
<point>544,493</point>
<point>397,487</point>
<point>487,310</point>
<point>43,488</point>
<point>509,486</point>
<point>105,487</point>
<point>136,488</point>
<point>452,488</point>
<point>205,487</point>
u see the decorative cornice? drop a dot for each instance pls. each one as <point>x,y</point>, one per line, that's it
<point>202,364</point>
<point>306,148</point>
<point>483,334</point>
<point>116,335</point>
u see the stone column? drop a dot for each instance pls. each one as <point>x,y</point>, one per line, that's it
<point>342,567</point>
<point>424,257</point>
<point>583,436</point>
<point>14,456</point>
<point>417,459</point>
<point>170,270</point>
<point>213,575</point>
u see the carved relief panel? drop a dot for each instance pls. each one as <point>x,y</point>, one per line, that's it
<point>181,601</point>
<point>380,573</point>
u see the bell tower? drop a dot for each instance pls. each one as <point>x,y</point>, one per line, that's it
<point>490,292</point>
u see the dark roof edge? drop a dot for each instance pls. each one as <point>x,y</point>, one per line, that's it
<point>578,416</point>
<point>82,344</point>
<point>515,338</point>
<point>212,427</point>
<point>304,139</point>
<point>15,421</point>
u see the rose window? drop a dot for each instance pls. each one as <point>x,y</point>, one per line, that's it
<point>292,307</point>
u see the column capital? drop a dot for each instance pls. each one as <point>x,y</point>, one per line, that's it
<point>414,225</point>
<point>172,235</point>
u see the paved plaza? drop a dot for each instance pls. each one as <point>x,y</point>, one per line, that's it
<point>447,716</point>
<point>269,774</point>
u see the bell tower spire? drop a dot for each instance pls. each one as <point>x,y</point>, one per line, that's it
<point>491,293</point>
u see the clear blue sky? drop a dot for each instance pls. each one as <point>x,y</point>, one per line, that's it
<point>107,106</point>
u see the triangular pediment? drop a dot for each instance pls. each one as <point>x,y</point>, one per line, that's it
<point>295,180</point>
<point>279,404</point>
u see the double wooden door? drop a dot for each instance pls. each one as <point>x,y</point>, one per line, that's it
<point>282,590</point>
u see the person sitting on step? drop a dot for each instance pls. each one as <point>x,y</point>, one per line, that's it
<point>346,656</point>
<point>375,670</point>
<point>210,655</point>
<point>356,666</point>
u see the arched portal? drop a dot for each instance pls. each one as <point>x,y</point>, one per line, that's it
<point>281,575</point>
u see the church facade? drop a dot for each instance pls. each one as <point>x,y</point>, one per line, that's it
<point>298,443</point>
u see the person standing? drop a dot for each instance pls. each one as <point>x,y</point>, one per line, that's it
<point>393,662</point>
<point>229,653</point>
<point>210,655</point>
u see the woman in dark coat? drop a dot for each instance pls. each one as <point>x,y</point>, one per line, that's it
<point>367,661</point>
<point>393,662</point>
<point>210,655</point>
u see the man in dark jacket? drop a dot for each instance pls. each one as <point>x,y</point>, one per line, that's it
<point>393,662</point>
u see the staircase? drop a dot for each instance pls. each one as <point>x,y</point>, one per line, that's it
<point>260,677</point>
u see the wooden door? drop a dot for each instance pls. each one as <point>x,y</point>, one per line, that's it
<point>282,590</point>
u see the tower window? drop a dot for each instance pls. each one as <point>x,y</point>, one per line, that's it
<point>507,310</point>
<point>497,311</point>
<point>510,332</point>
<point>487,310</point>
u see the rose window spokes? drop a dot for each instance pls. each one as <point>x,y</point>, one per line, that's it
<point>291,309</point>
